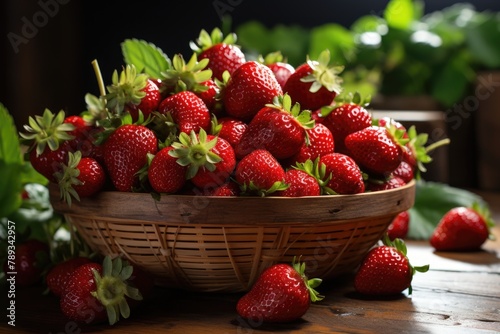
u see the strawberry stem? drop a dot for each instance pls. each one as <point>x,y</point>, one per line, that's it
<point>437,144</point>
<point>100,81</point>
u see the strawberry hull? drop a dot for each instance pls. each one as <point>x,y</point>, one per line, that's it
<point>222,244</point>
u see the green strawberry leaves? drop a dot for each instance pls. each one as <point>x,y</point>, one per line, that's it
<point>146,57</point>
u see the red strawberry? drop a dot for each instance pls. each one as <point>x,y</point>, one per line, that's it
<point>279,129</point>
<point>399,226</point>
<point>125,153</point>
<point>230,188</point>
<point>58,276</point>
<point>249,89</point>
<point>48,138</point>
<point>81,128</point>
<point>188,111</point>
<point>392,182</point>
<point>404,171</point>
<point>462,229</point>
<point>229,128</point>
<point>31,259</point>
<point>210,159</point>
<point>165,174</point>
<point>386,270</point>
<point>300,184</point>
<point>277,63</point>
<point>131,91</point>
<point>80,177</point>
<point>211,96</point>
<point>345,119</point>
<point>376,149</point>
<point>221,51</point>
<point>342,175</point>
<point>282,293</point>
<point>321,142</point>
<point>259,172</point>
<point>95,292</point>
<point>314,84</point>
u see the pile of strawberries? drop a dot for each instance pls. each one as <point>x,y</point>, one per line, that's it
<point>221,125</point>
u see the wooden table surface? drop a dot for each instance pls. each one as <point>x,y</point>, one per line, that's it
<point>460,294</point>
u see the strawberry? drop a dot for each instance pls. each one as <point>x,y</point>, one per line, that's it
<point>391,182</point>
<point>376,149</point>
<point>48,139</point>
<point>386,270</point>
<point>58,275</point>
<point>346,118</point>
<point>280,67</point>
<point>188,111</point>
<point>300,183</point>
<point>210,159</point>
<point>95,292</point>
<point>131,91</point>
<point>320,142</point>
<point>31,259</point>
<point>342,173</point>
<point>259,172</point>
<point>249,89</point>
<point>229,128</point>
<point>399,226</point>
<point>462,229</point>
<point>282,293</point>
<point>230,188</point>
<point>164,173</point>
<point>81,128</point>
<point>315,83</point>
<point>278,128</point>
<point>80,177</point>
<point>125,153</point>
<point>221,51</point>
<point>404,171</point>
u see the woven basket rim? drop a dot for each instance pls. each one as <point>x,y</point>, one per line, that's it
<point>249,210</point>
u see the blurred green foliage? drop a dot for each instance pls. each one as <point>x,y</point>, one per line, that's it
<point>401,52</point>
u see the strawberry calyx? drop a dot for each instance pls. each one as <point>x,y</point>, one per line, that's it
<point>125,88</point>
<point>253,188</point>
<point>195,151</point>
<point>46,130</point>
<point>272,58</point>
<point>205,40</point>
<point>400,246</point>
<point>68,177</point>
<point>485,213</point>
<point>186,76</point>
<point>112,288</point>
<point>311,284</point>
<point>323,74</point>
<point>417,142</point>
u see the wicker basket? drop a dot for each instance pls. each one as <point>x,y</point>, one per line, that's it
<point>222,244</point>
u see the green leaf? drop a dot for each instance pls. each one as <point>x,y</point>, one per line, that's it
<point>483,40</point>
<point>146,57</point>
<point>335,38</point>
<point>432,201</point>
<point>400,14</point>
<point>11,160</point>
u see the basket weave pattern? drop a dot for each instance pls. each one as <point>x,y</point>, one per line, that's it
<point>226,252</point>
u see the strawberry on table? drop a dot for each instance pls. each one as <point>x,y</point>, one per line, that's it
<point>221,51</point>
<point>315,83</point>
<point>249,89</point>
<point>386,270</point>
<point>95,292</point>
<point>462,229</point>
<point>282,293</point>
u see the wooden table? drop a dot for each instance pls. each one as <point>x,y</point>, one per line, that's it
<point>460,294</point>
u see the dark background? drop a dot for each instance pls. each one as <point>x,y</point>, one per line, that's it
<point>52,69</point>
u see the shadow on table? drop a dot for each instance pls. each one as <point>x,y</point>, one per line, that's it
<point>483,257</point>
